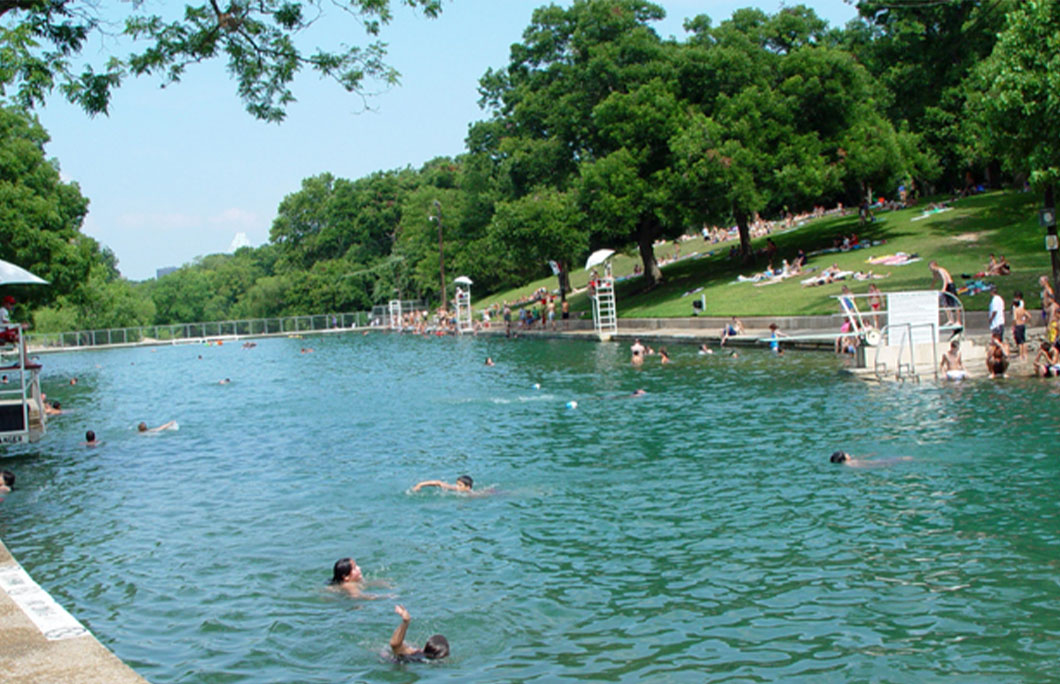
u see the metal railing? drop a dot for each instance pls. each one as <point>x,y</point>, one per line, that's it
<point>180,332</point>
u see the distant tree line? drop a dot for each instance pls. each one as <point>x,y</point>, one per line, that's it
<point>600,133</point>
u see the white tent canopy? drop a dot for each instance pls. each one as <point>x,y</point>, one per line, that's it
<point>598,257</point>
<point>12,275</point>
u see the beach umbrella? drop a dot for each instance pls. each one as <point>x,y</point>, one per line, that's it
<point>12,275</point>
<point>463,280</point>
<point>598,257</point>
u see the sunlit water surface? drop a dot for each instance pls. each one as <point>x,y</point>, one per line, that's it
<point>695,534</point>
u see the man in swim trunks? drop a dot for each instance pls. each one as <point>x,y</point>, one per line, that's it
<point>947,293</point>
<point>436,647</point>
<point>952,365</point>
<point>1020,319</point>
<point>637,350</point>
<point>463,484</point>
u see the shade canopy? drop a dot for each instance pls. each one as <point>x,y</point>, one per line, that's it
<point>463,280</point>
<point>16,275</point>
<point>598,257</point>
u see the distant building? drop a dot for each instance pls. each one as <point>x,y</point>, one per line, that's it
<point>165,271</point>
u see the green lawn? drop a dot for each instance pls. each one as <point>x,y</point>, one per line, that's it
<point>960,239</point>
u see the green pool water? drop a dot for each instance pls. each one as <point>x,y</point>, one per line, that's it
<point>697,533</point>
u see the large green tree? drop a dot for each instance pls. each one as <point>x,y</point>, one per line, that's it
<point>1015,101</point>
<point>575,110</point>
<point>40,39</point>
<point>40,215</point>
<point>922,53</point>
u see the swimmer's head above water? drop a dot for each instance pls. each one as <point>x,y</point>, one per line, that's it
<point>465,481</point>
<point>345,570</point>
<point>840,457</point>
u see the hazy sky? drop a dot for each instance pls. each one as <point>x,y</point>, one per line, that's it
<point>178,172</point>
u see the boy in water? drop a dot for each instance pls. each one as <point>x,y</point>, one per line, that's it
<point>7,480</point>
<point>951,364</point>
<point>463,484</point>
<point>436,647</point>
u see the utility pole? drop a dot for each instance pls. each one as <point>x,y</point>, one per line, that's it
<point>437,218</point>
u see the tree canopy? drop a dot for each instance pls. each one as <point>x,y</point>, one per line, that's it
<point>260,41</point>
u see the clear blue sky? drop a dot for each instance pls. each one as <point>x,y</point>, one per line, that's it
<point>179,172</point>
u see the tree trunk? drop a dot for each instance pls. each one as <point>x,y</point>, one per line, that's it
<point>1054,254</point>
<point>745,236</point>
<point>645,239</point>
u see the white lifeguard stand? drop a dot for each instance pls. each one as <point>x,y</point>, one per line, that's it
<point>22,415</point>
<point>395,314</point>
<point>602,295</point>
<point>463,305</point>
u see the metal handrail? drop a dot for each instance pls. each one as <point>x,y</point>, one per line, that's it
<point>176,332</point>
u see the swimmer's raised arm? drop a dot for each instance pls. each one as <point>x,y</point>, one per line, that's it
<point>397,640</point>
<point>432,483</point>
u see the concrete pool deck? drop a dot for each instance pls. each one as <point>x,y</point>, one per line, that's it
<point>41,642</point>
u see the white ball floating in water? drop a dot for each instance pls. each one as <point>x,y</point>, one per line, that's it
<point>572,404</point>
<point>537,385</point>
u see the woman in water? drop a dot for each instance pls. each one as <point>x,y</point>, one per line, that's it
<point>346,577</point>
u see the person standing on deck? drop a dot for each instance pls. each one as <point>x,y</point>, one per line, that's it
<point>996,316</point>
<point>947,293</point>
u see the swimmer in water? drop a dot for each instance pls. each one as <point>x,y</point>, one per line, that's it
<point>846,459</point>
<point>436,647</point>
<point>346,577</point>
<point>489,360</point>
<point>7,480</point>
<point>704,349</point>
<point>90,439</point>
<point>171,425</point>
<point>637,351</point>
<point>664,356</point>
<point>463,484</point>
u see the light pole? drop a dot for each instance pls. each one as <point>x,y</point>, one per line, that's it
<point>437,218</point>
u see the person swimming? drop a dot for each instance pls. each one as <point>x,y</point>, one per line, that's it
<point>844,458</point>
<point>464,483</point>
<point>171,425</point>
<point>7,480</point>
<point>437,646</point>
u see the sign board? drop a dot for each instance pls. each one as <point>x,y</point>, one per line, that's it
<point>918,310</point>
<point>17,438</point>
<point>1051,243</point>
<point>1047,217</point>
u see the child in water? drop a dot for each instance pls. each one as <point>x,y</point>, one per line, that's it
<point>436,647</point>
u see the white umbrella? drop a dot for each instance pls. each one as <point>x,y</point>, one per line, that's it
<point>11,274</point>
<point>598,257</point>
<point>463,280</point>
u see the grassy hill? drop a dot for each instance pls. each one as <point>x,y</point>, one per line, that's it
<point>960,239</point>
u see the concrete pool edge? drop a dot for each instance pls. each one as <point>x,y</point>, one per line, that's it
<point>27,656</point>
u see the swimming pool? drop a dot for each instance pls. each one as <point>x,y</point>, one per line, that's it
<point>697,533</point>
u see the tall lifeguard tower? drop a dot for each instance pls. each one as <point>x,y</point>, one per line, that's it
<point>394,307</point>
<point>463,305</point>
<point>22,415</point>
<point>602,295</point>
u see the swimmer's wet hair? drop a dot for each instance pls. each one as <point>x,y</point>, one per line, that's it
<point>342,568</point>
<point>840,456</point>
<point>8,477</point>
<point>90,436</point>
<point>436,647</point>
<point>466,479</point>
